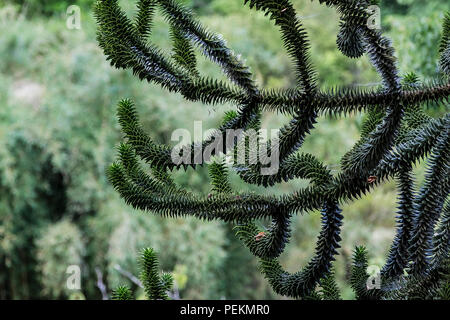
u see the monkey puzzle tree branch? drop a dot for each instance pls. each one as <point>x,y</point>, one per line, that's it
<point>395,135</point>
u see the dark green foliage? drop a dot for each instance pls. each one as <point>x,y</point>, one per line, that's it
<point>184,54</point>
<point>328,288</point>
<point>49,7</point>
<point>359,276</point>
<point>122,293</point>
<point>435,285</point>
<point>409,286</point>
<point>395,135</point>
<point>429,203</point>
<point>441,239</point>
<point>444,292</point>
<point>398,254</point>
<point>155,286</point>
<point>219,178</point>
<point>218,173</point>
<point>444,48</point>
<point>349,41</point>
<point>144,17</point>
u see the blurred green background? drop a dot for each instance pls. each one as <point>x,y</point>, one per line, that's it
<point>58,133</point>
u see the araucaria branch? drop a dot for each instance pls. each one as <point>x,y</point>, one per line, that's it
<point>396,134</point>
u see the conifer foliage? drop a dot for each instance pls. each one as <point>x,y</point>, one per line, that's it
<point>155,286</point>
<point>396,134</point>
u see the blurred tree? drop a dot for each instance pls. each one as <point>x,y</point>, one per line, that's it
<point>59,246</point>
<point>48,7</point>
<point>26,206</point>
